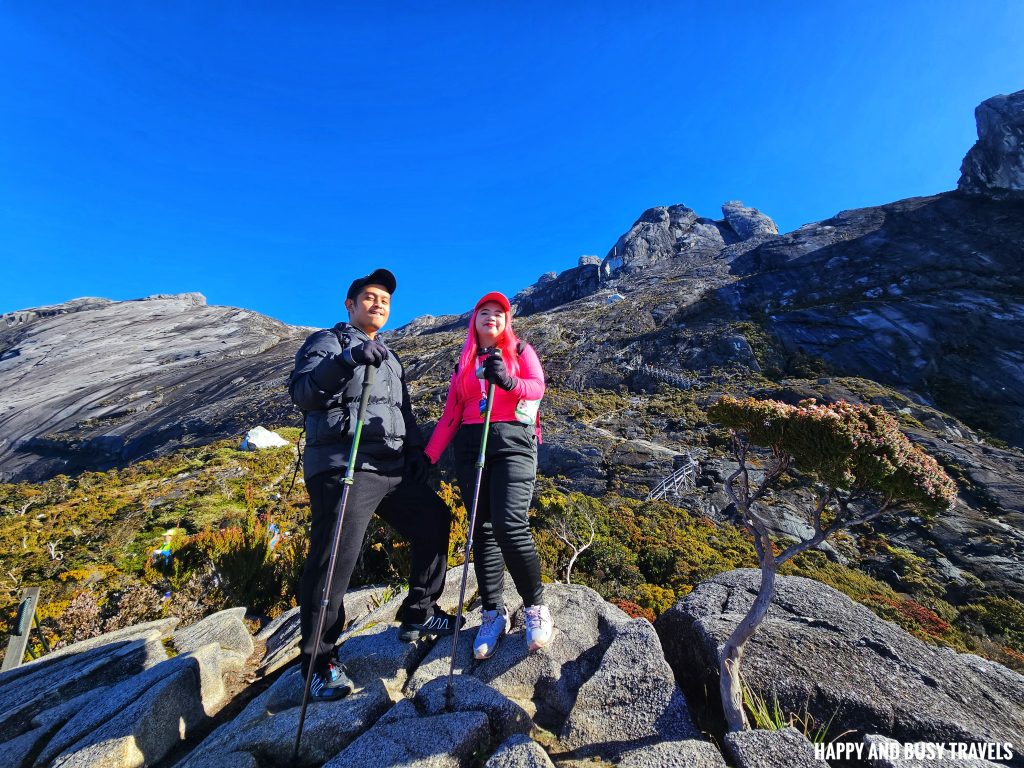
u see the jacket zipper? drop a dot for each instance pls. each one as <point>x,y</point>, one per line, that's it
<point>391,400</point>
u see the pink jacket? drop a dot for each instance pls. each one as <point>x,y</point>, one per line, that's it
<point>463,403</point>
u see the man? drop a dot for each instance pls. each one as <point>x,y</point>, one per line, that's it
<point>390,477</point>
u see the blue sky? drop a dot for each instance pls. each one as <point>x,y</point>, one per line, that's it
<point>265,156</point>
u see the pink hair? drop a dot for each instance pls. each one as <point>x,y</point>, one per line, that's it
<point>508,343</point>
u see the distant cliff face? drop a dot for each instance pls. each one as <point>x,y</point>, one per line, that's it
<point>93,383</point>
<point>924,294</point>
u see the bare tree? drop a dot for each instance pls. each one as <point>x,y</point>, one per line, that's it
<point>567,528</point>
<point>55,554</point>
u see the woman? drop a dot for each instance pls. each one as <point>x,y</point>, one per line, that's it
<point>493,354</point>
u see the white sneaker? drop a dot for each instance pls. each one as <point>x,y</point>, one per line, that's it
<point>539,627</point>
<point>493,627</point>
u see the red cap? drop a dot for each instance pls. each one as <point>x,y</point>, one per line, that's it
<point>497,297</point>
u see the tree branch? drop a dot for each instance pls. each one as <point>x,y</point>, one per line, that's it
<point>780,464</point>
<point>818,537</point>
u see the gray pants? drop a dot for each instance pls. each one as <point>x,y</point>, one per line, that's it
<point>502,536</point>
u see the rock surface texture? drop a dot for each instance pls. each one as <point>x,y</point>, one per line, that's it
<point>995,165</point>
<point>820,650</point>
<point>603,688</point>
<point>92,383</point>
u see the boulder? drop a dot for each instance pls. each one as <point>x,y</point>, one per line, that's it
<point>748,222</point>
<point>519,751</point>
<point>39,687</point>
<point>16,752</point>
<point>258,439</point>
<point>403,710</point>
<point>177,695</point>
<point>266,728</point>
<point>545,683</point>
<point>819,650</point>
<point>438,659</point>
<point>229,760</point>
<point>506,718</point>
<point>631,699</point>
<point>439,741</point>
<point>770,749</point>
<point>376,653</point>
<point>994,166</point>
<point>388,612</point>
<point>107,642</point>
<point>227,630</point>
<point>127,732</point>
<point>674,754</point>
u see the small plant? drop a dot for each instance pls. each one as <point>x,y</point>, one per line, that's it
<point>771,717</point>
<point>390,593</point>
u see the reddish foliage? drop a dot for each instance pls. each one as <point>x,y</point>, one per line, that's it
<point>634,611</point>
<point>912,615</point>
<point>1013,658</point>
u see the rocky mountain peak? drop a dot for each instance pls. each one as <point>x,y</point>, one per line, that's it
<point>995,164</point>
<point>671,238</point>
<point>668,232</point>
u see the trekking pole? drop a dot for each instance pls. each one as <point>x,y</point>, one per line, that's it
<point>449,693</point>
<point>325,597</point>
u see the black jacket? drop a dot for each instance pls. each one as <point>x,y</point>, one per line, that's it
<point>327,390</point>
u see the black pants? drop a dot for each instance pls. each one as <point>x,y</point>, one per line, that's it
<point>501,537</point>
<point>413,509</point>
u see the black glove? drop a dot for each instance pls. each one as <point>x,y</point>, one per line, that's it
<point>368,353</point>
<point>417,465</point>
<point>496,372</point>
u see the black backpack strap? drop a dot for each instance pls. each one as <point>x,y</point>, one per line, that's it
<point>344,339</point>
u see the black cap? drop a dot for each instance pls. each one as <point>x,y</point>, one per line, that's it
<point>380,277</point>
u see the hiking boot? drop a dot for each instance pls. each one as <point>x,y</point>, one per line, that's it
<point>338,679</point>
<point>320,688</point>
<point>539,627</point>
<point>438,623</point>
<point>493,627</point>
